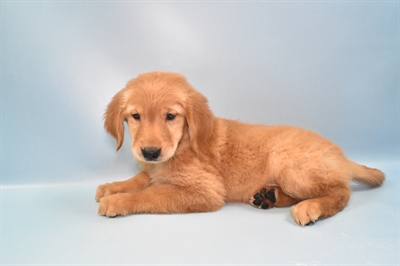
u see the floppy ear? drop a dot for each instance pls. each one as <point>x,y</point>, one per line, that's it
<point>114,118</point>
<point>200,119</point>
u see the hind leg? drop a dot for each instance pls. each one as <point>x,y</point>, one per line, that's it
<point>310,210</point>
<point>270,197</point>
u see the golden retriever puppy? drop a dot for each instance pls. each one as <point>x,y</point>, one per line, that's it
<point>193,161</point>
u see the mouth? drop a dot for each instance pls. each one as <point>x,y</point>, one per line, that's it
<point>140,158</point>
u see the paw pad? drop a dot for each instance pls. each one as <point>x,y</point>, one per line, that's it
<point>264,199</point>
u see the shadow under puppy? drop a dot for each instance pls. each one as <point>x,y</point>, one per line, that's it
<point>193,161</point>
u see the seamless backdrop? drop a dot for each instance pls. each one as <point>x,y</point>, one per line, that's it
<point>331,67</point>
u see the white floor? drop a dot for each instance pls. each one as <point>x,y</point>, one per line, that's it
<point>59,225</point>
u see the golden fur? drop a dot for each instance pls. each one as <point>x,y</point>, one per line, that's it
<point>193,161</point>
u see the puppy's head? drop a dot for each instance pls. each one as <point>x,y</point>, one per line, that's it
<point>163,112</point>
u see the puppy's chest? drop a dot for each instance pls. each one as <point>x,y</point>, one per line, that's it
<point>159,179</point>
<point>163,176</point>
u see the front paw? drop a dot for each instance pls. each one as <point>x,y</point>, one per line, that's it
<point>105,190</point>
<point>114,205</point>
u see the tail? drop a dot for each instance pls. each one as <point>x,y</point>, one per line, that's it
<point>366,175</point>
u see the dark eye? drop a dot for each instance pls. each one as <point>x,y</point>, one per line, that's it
<point>170,117</point>
<point>136,116</point>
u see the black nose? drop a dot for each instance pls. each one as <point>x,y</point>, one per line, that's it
<point>151,154</point>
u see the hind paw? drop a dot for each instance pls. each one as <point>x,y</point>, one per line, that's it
<point>264,199</point>
<point>270,197</point>
<point>306,212</point>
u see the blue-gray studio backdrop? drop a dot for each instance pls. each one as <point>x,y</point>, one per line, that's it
<point>331,66</point>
